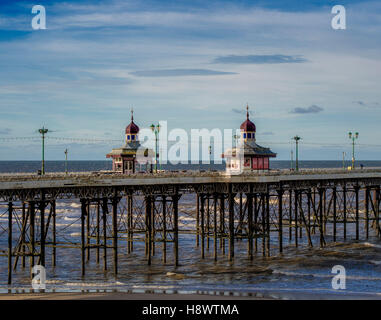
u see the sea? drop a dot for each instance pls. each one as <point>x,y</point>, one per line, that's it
<point>299,272</point>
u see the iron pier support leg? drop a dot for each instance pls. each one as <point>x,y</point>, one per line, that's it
<point>153,231</point>
<point>301,214</point>
<point>148,202</point>
<point>240,221</point>
<point>222,223</point>
<point>296,194</point>
<point>23,234</point>
<point>175,201</point>
<point>207,221</point>
<point>164,204</point>
<point>215,226</point>
<point>98,230</point>
<point>334,195</point>
<point>202,211</point>
<point>104,218</point>
<point>115,201</point>
<point>54,216</point>
<point>268,228</point>
<point>249,199</point>
<point>10,224</point>
<point>367,212</point>
<point>263,224</point>
<point>357,211</point>
<point>197,220</point>
<point>345,211</point>
<point>88,232</point>
<point>290,217</point>
<point>321,217</point>
<point>83,217</point>
<point>309,211</point>
<point>130,224</point>
<point>231,224</point>
<point>256,210</point>
<point>32,235</point>
<point>280,219</point>
<point>378,211</point>
<point>42,230</point>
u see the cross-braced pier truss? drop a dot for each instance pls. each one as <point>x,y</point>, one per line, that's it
<point>116,212</point>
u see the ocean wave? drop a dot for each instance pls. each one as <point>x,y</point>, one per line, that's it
<point>75,234</point>
<point>320,275</point>
<point>70,219</point>
<point>373,245</point>
<point>94,284</point>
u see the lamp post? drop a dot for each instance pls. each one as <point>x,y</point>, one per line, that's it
<point>296,138</point>
<point>353,137</point>
<point>292,160</point>
<point>235,137</point>
<point>43,131</point>
<point>66,152</point>
<point>210,158</point>
<point>344,160</point>
<point>156,130</point>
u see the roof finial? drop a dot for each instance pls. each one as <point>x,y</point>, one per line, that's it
<point>132,114</point>
<point>247,111</point>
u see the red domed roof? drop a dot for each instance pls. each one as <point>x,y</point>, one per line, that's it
<point>132,128</point>
<point>248,125</point>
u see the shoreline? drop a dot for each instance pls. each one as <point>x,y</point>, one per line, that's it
<point>259,295</point>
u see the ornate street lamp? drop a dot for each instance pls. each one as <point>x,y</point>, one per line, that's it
<point>43,131</point>
<point>296,138</point>
<point>353,137</point>
<point>66,152</point>
<point>156,130</point>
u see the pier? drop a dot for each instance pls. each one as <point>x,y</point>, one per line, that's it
<point>118,210</point>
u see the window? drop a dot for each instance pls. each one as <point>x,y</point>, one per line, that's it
<point>249,135</point>
<point>132,137</point>
<point>128,137</point>
<point>244,135</point>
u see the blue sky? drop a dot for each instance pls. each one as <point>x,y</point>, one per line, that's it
<point>194,64</point>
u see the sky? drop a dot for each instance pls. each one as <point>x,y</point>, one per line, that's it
<point>195,64</point>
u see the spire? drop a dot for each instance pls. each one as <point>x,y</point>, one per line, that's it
<point>132,114</point>
<point>247,111</point>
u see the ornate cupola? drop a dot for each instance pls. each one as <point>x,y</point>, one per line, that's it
<point>248,128</point>
<point>132,130</point>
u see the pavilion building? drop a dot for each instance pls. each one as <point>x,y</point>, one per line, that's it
<point>127,158</point>
<point>248,155</point>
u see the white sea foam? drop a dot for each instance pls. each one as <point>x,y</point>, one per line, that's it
<point>75,234</point>
<point>94,284</point>
<point>75,205</point>
<point>373,245</point>
<point>186,218</point>
<point>70,219</point>
<point>328,275</point>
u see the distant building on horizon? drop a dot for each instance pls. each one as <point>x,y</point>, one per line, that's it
<point>248,156</point>
<point>126,158</point>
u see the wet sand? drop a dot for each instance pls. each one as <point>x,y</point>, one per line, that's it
<point>268,295</point>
